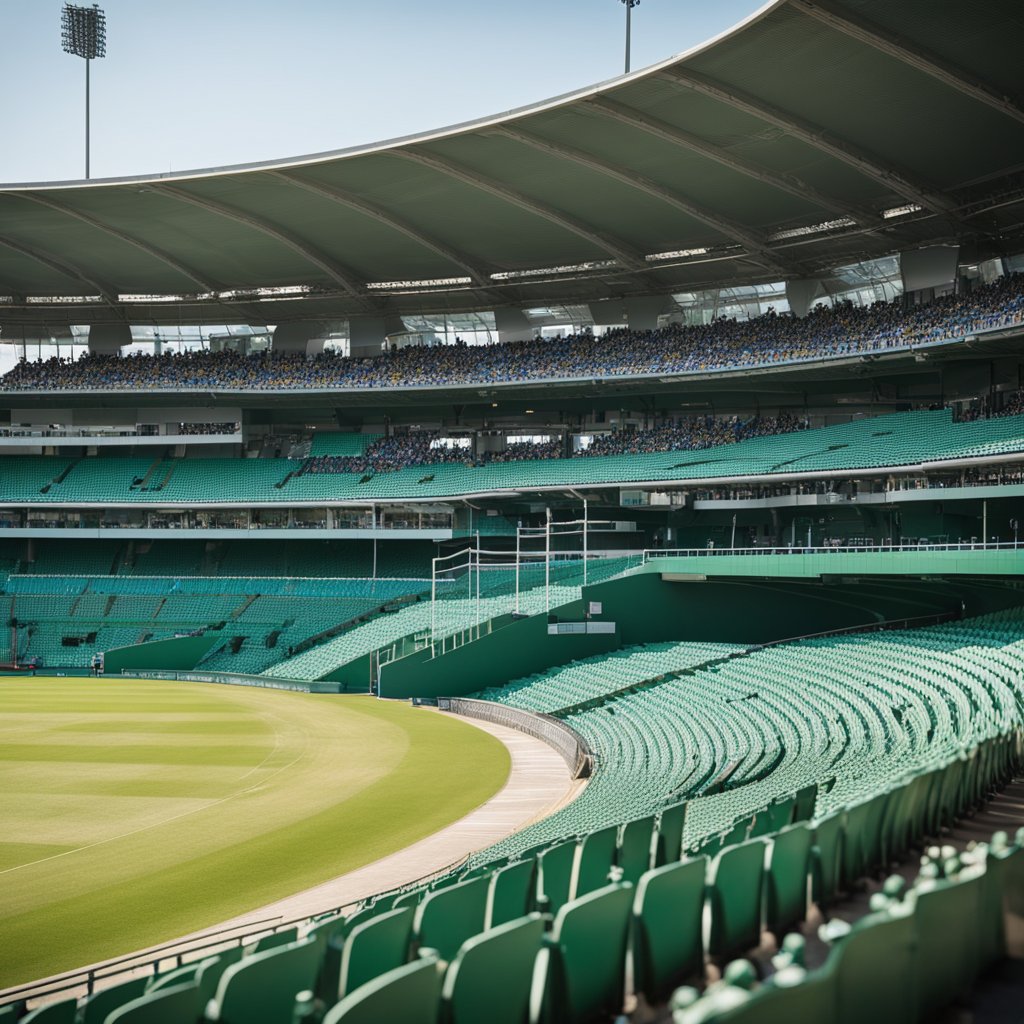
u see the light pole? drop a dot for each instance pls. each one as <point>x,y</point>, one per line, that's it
<point>630,4</point>
<point>83,33</point>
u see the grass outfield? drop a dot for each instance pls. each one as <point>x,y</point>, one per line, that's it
<point>134,812</point>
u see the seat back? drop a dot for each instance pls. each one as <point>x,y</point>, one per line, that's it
<point>670,834</point>
<point>490,977</point>
<point>789,861</point>
<point>667,944</point>
<point>634,856</point>
<point>95,1008</point>
<point>555,867</point>
<point>582,974</point>
<point>274,940</point>
<point>404,995</point>
<point>872,968</point>
<point>828,858</point>
<point>447,917</point>
<point>510,890</point>
<point>948,915</point>
<point>63,1011</point>
<point>735,888</point>
<point>171,1004</point>
<point>1011,871</point>
<point>263,986</point>
<point>792,996</point>
<point>374,947</point>
<point>210,971</point>
<point>179,976</point>
<point>595,859</point>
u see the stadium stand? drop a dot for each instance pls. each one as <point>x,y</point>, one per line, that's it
<point>844,330</point>
<point>896,733</point>
<point>895,440</point>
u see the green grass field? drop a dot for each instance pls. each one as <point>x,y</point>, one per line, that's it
<point>134,812</point>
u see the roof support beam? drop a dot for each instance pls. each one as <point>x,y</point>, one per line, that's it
<point>718,223</point>
<point>106,291</point>
<point>623,252</point>
<point>688,140</point>
<point>340,275</point>
<point>479,275</point>
<point>193,275</point>
<point>814,135</point>
<point>905,52</point>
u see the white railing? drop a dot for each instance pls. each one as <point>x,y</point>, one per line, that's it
<point>649,554</point>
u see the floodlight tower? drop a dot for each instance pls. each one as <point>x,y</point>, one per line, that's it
<point>83,33</point>
<point>630,4</point>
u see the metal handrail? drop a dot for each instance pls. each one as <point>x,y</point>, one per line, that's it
<point>650,554</point>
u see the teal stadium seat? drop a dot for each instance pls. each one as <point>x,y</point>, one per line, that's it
<point>490,977</point>
<point>409,994</point>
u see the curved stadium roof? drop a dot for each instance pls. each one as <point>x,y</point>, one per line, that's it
<point>811,135</point>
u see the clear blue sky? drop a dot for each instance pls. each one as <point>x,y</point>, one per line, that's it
<point>200,83</point>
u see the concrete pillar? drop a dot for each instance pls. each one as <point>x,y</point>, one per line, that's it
<point>802,294</point>
<point>109,339</point>
<point>933,267</point>
<point>610,313</point>
<point>642,314</point>
<point>306,336</point>
<point>366,334</point>
<point>513,325</point>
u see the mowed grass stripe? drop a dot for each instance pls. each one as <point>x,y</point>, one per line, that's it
<point>12,854</point>
<point>221,725</point>
<point>350,780</point>
<point>135,753</point>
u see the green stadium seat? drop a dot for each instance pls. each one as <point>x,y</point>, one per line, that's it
<point>510,892</point>
<point>446,918</point>
<point>274,940</point>
<point>667,941</point>
<point>555,869</point>
<point>409,994</point>
<point>580,972</point>
<point>873,968</point>
<point>184,975</point>
<point>264,985</point>
<point>735,887</point>
<point>827,858</point>
<point>490,977</point>
<point>595,859</point>
<point>634,856</point>
<point>786,878</point>
<point>790,996</point>
<point>171,1004</point>
<point>671,824</point>
<point>94,1008</point>
<point>63,1011</point>
<point>1011,871</point>
<point>211,970</point>
<point>949,920</point>
<point>374,947</point>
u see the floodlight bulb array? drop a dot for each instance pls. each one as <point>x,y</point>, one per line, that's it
<point>83,31</point>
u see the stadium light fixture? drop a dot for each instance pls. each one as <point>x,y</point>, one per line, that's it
<point>83,33</point>
<point>630,4</point>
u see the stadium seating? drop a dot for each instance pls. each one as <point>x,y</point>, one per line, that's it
<point>898,439</point>
<point>271,615</point>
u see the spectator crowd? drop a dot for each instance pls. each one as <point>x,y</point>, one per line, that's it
<point>426,448</point>
<point>826,332</point>
<point>691,434</point>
